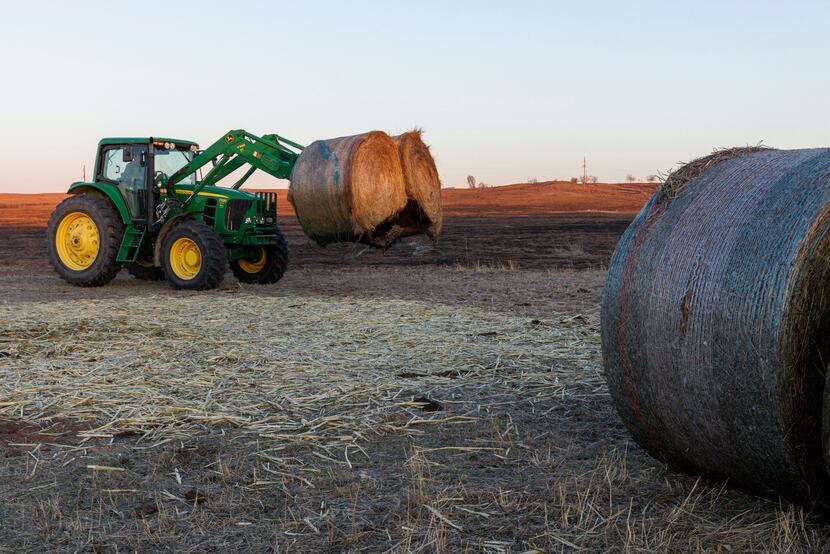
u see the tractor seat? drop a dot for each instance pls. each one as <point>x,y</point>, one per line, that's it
<point>133,176</point>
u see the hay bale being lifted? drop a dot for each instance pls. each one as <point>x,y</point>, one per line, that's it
<point>352,189</point>
<point>716,319</point>
<point>423,186</point>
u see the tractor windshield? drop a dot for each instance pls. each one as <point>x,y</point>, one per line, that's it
<point>170,161</point>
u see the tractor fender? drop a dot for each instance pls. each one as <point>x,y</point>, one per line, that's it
<point>108,191</point>
<point>166,228</point>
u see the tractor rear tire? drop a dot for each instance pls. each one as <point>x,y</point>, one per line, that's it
<point>84,235</point>
<point>144,270</point>
<point>268,268</point>
<point>193,256</point>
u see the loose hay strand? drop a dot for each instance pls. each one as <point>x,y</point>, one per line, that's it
<point>678,179</point>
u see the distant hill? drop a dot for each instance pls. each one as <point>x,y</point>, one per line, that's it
<point>27,210</point>
<point>552,197</point>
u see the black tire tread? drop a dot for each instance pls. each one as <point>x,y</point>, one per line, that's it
<point>110,231</point>
<point>275,264</point>
<point>214,256</point>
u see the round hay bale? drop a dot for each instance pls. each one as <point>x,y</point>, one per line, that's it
<point>423,186</point>
<point>349,189</point>
<point>716,319</point>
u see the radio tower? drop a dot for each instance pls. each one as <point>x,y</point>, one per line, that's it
<point>584,170</point>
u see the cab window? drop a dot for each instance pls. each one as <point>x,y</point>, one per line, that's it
<point>170,161</point>
<point>126,167</point>
<point>114,164</point>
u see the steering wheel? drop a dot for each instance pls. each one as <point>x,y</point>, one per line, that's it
<point>161,177</point>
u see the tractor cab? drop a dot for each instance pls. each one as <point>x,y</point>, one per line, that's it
<point>137,165</point>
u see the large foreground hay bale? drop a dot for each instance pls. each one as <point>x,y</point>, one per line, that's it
<point>716,318</point>
<point>352,189</point>
<point>423,185</point>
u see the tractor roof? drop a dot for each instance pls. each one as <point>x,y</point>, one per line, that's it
<point>142,140</point>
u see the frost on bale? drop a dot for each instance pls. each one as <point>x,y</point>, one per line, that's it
<point>716,319</point>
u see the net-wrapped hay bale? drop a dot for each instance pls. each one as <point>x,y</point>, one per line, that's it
<point>716,319</point>
<point>349,189</point>
<point>423,185</point>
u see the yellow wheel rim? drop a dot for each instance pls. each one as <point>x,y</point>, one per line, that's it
<point>77,241</point>
<point>256,266</point>
<point>185,258</point>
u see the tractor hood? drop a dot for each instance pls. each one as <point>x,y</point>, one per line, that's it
<point>183,191</point>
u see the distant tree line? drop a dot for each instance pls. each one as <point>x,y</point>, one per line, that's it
<point>649,178</point>
<point>472,183</point>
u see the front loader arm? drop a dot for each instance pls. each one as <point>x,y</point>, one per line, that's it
<point>269,153</point>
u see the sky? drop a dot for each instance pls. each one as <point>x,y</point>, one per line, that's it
<point>505,91</point>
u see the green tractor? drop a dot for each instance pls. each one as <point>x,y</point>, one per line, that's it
<point>146,209</point>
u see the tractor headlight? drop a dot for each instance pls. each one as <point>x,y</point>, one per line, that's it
<point>248,220</point>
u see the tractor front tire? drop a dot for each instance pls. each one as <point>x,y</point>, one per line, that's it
<point>193,256</point>
<point>268,267</point>
<point>144,270</point>
<point>84,235</point>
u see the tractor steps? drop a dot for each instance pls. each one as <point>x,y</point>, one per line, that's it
<point>130,244</point>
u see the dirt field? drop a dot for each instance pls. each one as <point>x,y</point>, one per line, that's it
<point>423,399</point>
